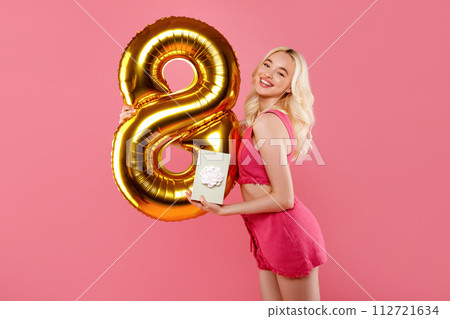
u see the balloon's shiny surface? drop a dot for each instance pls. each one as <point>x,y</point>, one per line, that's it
<point>198,116</point>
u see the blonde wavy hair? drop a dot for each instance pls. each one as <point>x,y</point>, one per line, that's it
<point>298,104</point>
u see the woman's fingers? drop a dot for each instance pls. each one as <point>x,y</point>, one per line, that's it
<point>188,194</point>
<point>126,108</point>
<point>130,111</point>
<point>126,114</point>
<point>203,201</point>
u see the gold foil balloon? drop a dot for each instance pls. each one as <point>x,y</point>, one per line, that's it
<point>199,112</point>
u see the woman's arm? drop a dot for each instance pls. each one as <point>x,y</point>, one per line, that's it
<point>264,204</point>
<point>271,130</point>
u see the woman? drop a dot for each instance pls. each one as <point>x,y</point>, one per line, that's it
<point>285,237</point>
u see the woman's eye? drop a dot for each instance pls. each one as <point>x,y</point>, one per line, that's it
<point>281,74</point>
<point>265,64</point>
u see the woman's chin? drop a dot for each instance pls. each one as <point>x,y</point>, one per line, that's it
<point>265,94</point>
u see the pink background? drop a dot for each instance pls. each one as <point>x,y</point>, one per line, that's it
<point>382,130</point>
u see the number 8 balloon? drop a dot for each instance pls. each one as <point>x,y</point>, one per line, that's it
<point>201,111</point>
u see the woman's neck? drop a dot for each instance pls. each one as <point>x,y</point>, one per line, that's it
<point>274,107</point>
<point>269,103</point>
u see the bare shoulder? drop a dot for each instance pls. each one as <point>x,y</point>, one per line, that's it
<point>269,125</point>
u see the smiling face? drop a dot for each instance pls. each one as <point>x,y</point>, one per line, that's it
<point>274,75</point>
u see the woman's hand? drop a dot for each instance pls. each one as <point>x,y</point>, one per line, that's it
<point>205,205</point>
<point>127,111</point>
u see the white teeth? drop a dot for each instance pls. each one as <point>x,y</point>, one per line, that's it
<point>265,82</point>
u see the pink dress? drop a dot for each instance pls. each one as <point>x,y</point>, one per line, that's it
<point>289,243</point>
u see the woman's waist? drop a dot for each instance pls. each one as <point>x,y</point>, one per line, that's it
<point>252,191</point>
